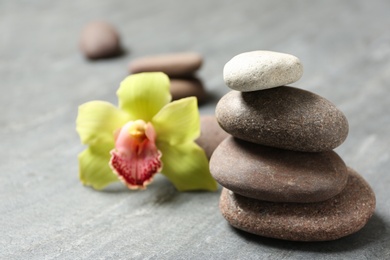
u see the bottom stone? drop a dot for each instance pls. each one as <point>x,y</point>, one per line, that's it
<point>337,217</point>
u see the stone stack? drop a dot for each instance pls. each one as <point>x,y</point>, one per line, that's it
<point>181,69</point>
<point>280,175</point>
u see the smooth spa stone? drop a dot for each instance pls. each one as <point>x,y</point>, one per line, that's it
<point>284,117</point>
<point>172,64</point>
<point>211,134</point>
<point>187,87</point>
<point>100,40</point>
<point>337,217</point>
<point>277,175</point>
<point>257,70</point>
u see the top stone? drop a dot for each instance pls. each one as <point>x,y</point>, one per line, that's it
<point>257,70</point>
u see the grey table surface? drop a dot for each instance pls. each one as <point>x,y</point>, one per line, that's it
<point>45,213</point>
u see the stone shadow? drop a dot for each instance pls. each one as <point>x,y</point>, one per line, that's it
<point>375,230</point>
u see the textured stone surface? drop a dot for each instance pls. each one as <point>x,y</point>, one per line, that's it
<point>340,216</point>
<point>283,117</point>
<point>277,175</point>
<point>211,134</point>
<point>186,87</point>
<point>173,64</point>
<point>256,70</point>
<point>100,39</point>
<point>47,214</point>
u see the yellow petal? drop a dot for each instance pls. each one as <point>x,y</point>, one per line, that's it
<point>97,121</point>
<point>143,95</point>
<point>178,122</point>
<point>186,166</point>
<point>94,168</point>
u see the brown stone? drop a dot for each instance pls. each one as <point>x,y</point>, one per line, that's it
<point>277,175</point>
<point>337,217</point>
<point>283,117</point>
<point>174,64</point>
<point>211,134</point>
<point>100,40</point>
<point>187,87</point>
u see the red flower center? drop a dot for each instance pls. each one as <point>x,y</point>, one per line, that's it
<point>136,158</point>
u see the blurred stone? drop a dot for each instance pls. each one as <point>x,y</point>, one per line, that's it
<point>173,64</point>
<point>187,87</point>
<point>211,134</point>
<point>100,40</point>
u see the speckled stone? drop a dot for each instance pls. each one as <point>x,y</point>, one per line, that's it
<point>211,134</point>
<point>187,87</point>
<point>340,216</point>
<point>100,40</point>
<point>277,175</point>
<point>256,70</point>
<point>172,64</point>
<point>284,117</point>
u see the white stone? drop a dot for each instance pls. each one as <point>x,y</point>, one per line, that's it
<point>257,70</point>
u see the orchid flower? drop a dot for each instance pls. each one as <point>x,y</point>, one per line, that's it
<point>144,135</point>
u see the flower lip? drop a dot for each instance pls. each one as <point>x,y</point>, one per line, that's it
<point>136,158</point>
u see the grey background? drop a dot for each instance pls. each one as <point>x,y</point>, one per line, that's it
<point>45,213</point>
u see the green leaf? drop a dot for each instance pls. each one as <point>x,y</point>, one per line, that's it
<point>143,95</point>
<point>178,122</point>
<point>186,166</point>
<point>94,168</point>
<point>98,120</point>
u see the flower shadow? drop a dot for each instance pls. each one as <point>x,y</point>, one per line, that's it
<point>162,190</point>
<point>165,194</point>
<point>116,187</point>
<point>374,231</point>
